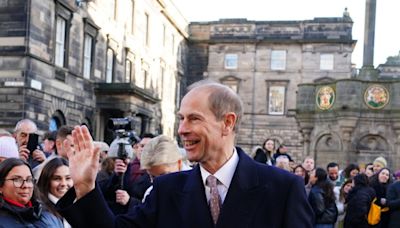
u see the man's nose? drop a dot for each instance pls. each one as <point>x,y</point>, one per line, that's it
<point>182,127</point>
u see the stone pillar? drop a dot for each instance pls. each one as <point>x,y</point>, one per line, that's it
<point>306,132</point>
<point>346,137</point>
<point>347,126</point>
<point>369,33</point>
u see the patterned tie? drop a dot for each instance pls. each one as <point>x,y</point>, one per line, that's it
<point>215,199</point>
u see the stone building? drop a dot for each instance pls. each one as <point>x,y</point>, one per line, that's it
<point>358,119</point>
<point>264,61</point>
<point>82,62</point>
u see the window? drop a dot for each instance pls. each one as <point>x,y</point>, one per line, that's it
<point>231,61</point>
<point>326,62</point>
<point>164,35</point>
<point>60,41</point>
<point>56,121</point>
<point>146,24</point>
<point>278,60</point>
<point>110,65</point>
<point>63,16</point>
<point>276,99</point>
<point>231,82</point>
<point>173,44</point>
<point>132,7</point>
<point>90,34</point>
<point>87,56</point>
<point>161,81</point>
<point>115,8</point>
<point>128,70</point>
<point>145,78</point>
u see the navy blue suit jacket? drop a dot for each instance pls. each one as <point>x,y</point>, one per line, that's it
<point>259,196</point>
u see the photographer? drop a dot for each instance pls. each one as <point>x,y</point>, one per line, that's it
<point>118,190</point>
<point>24,131</point>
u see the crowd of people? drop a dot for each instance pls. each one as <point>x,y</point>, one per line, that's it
<point>32,182</point>
<point>341,197</point>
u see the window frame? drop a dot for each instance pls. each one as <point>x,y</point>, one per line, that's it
<point>277,62</point>
<point>91,30</point>
<point>110,76</point>
<point>325,63</point>
<point>87,56</point>
<point>128,70</point>
<point>228,59</point>
<point>232,82</point>
<point>277,83</point>
<point>64,12</point>
<point>147,29</point>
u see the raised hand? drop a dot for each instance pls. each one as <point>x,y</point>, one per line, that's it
<point>83,160</point>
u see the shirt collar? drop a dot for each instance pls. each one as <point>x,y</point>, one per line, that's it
<point>225,173</point>
<point>53,198</point>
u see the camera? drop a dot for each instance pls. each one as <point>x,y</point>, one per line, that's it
<point>124,128</point>
<point>125,136</point>
<point>121,147</point>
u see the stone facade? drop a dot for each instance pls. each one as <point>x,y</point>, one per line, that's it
<point>270,60</point>
<point>136,51</point>
<point>350,131</point>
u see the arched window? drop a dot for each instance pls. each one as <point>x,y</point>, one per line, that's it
<point>56,121</point>
<point>87,123</point>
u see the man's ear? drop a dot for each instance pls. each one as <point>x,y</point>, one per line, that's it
<point>229,122</point>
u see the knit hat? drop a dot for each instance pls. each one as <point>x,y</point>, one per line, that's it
<point>380,160</point>
<point>397,174</point>
<point>103,146</point>
<point>8,147</point>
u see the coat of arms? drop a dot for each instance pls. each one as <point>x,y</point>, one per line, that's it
<point>325,97</point>
<point>376,96</point>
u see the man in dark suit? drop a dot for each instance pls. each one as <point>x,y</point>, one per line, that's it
<point>226,189</point>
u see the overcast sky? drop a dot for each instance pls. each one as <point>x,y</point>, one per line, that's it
<point>387,36</point>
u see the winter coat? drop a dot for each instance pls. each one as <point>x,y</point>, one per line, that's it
<point>324,213</point>
<point>263,156</point>
<point>380,191</point>
<point>393,202</point>
<point>135,190</point>
<point>35,216</point>
<point>358,204</point>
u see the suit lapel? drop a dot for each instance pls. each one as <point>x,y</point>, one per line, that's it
<point>243,195</point>
<point>192,202</point>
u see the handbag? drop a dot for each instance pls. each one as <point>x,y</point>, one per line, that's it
<point>374,214</point>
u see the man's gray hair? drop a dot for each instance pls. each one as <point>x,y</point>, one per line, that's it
<point>222,100</point>
<point>160,150</point>
<point>24,121</point>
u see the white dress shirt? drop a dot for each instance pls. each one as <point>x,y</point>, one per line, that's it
<point>224,176</point>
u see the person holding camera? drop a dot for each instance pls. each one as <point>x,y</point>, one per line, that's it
<point>118,189</point>
<point>28,143</point>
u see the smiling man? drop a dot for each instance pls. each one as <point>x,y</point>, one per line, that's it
<point>226,189</point>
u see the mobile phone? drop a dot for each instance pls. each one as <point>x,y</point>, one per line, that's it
<point>33,142</point>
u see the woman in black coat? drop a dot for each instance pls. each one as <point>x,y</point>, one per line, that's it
<point>264,154</point>
<point>380,182</point>
<point>358,203</point>
<point>322,199</point>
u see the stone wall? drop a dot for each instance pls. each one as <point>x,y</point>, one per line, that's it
<point>253,43</point>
